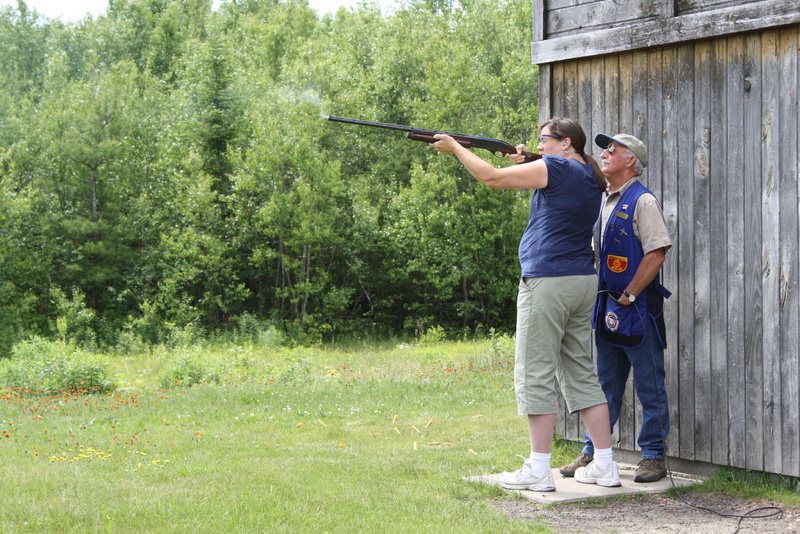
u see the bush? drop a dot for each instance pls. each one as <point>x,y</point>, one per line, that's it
<point>37,364</point>
<point>187,371</point>
<point>260,331</point>
<point>432,336</point>
<point>502,346</point>
<point>74,319</point>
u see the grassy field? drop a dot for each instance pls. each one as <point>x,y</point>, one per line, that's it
<point>286,440</point>
<point>270,440</point>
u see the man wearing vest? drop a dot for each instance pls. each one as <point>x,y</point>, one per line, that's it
<point>628,317</point>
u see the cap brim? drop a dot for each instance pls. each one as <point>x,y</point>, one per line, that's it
<point>602,140</point>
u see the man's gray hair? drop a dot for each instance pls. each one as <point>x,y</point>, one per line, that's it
<point>638,168</point>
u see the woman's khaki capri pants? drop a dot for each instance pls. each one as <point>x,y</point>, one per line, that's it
<point>554,334</point>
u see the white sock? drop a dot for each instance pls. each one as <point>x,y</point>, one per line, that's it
<point>603,457</point>
<point>540,463</point>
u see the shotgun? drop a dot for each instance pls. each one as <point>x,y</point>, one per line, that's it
<point>495,146</point>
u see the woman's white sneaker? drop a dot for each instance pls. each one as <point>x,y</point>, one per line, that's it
<point>591,474</point>
<point>524,479</point>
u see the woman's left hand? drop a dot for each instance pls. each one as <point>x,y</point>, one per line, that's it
<point>444,144</point>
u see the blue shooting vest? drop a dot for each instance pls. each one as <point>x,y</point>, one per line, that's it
<point>620,256</point>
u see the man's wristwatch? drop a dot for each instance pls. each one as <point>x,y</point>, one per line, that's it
<point>631,298</point>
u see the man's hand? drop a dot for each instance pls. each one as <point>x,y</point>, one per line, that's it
<point>623,300</point>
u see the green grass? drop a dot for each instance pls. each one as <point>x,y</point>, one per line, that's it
<point>288,440</point>
<point>754,485</point>
<point>271,440</point>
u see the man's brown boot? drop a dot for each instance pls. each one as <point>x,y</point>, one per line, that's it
<point>650,470</point>
<point>581,461</point>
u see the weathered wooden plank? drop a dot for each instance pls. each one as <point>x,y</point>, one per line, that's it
<point>559,4</point>
<point>586,15</point>
<point>637,126</point>
<point>754,328</point>
<point>718,174</point>
<point>570,90</point>
<point>691,6</point>
<point>770,221</point>
<point>585,100</point>
<point>570,87</point>
<point>630,415</point>
<point>539,20</point>
<point>558,100</point>
<point>789,297</point>
<point>668,8</point>
<point>639,97</point>
<point>669,202</point>
<point>545,93</point>
<point>736,253</point>
<point>611,120</point>
<point>597,40</point>
<point>684,95</point>
<point>651,121</point>
<point>599,102</point>
<point>702,242</point>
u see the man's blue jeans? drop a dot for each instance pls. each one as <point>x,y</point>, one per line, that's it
<point>613,367</point>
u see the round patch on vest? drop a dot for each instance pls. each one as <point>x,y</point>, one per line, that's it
<point>612,321</point>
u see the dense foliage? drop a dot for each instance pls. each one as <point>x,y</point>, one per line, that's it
<point>165,169</point>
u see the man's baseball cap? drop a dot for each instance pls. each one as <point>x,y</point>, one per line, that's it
<point>633,144</point>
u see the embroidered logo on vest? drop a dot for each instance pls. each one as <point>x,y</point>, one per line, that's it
<point>617,264</point>
<point>612,321</point>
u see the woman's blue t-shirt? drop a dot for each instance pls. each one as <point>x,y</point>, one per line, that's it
<point>558,238</point>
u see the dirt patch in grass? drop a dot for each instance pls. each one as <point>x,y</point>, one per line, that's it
<point>657,514</point>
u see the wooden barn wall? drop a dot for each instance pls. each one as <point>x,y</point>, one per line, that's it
<point>567,17</point>
<point>720,119</point>
<point>571,29</point>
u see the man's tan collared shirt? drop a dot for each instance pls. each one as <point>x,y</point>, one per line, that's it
<point>649,225</point>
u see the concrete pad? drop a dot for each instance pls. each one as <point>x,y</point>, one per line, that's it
<point>570,490</point>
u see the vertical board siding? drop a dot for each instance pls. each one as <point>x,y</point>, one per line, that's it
<point>629,418</point>
<point>770,247</point>
<point>682,254</point>
<point>702,243</point>
<point>718,208</point>
<point>754,328</point>
<point>720,119</point>
<point>735,226</point>
<point>789,298</point>
<point>669,203</point>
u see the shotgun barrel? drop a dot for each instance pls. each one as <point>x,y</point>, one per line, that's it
<point>495,146</point>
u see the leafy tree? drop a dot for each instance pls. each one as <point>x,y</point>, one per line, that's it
<point>23,49</point>
<point>451,253</point>
<point>154,34</point>
<point>90,169</point>
<point>165,168</point>
<point>87,123</point>
<point>24,271</point>
<point>295,200</point>
<point>267,35</point>
<point>217,112</point>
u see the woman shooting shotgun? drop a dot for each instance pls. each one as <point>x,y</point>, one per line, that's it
<point>556,294</point>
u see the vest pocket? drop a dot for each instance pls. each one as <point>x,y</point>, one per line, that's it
<point>621,325</point>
